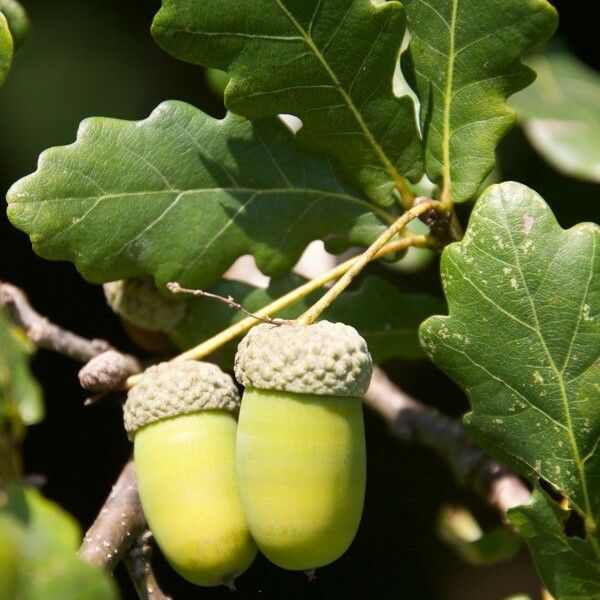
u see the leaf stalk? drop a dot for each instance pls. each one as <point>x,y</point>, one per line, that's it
<point>313,313</point>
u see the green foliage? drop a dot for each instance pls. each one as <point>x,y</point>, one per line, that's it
<point>567,563</point>
<point>523,340</point>
<point>329,62</point>
<point>183,195</point>
<point>217,81</point>
<point>18,21</point>
<point>6,48</point>
<point>180,196</point>
<point>386,317</point>
<point>38,542</point>
<point>14,28</point>
<point>464,60</point>
<point>37,539</point>
<point>459,529</point>
<point>20,396</point>
<point>560,114</point>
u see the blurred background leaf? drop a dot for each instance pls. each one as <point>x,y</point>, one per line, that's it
<point>6,48</point>
<point>18,21</point>
<point>216,80</point>
<point>20,395</point>
<point>560,114</point>
<point>460,530</point>
<point>38,543</point>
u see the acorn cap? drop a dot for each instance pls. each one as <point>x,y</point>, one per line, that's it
<point>175,388</point>
<point>139,301</point>
<point>327,359</point>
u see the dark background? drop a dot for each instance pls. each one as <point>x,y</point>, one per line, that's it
<point>87,58</point>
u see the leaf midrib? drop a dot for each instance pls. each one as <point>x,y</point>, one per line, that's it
<point>448,97</point>
<point>381,155</point>
<point>563,392</point>
<point>382,214</point>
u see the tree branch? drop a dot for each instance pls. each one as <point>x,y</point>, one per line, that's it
<point>138,561</point>
<point>42,332</point>
<point>118,524</point>
<point>106,369</point>
<point>120,533</point>
<point>411,421</point>
<point>212,344</point>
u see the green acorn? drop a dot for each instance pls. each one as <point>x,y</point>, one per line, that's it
<point>147,314</point>
<point>301,458</point>
<point>181,416</point>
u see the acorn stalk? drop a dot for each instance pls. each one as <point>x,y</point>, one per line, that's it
<point>181,417</point>
<point>301,458</point>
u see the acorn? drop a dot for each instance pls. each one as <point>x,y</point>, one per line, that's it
<point>181,417</point>
<point>147,315</point>
<point>301,458</point>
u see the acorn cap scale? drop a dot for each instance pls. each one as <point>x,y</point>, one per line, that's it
<point>174,388</point>
<point>139,301</point>
<point>326,359</point>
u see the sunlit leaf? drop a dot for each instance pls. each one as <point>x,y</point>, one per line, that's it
<point>464,60</point>
<point>561,115</point>
<point>329,62</point>
<point>181,195</point>
<point>568,564</point>
<point>523,340</point>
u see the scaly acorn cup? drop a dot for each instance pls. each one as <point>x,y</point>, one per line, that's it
<point>147,315</point>
<point>181,417</point>
<point>301,459</point>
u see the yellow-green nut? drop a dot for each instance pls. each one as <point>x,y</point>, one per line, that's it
<point>181,416</point>
<point>301,459</point>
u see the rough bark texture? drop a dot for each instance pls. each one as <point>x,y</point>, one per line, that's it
<point>118,524</point>
<point>413,421</point>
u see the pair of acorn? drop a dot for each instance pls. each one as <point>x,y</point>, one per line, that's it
<point>288,478</point>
